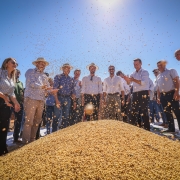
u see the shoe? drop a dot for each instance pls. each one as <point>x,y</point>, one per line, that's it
<point>161,124</point>
<point>17,141</point>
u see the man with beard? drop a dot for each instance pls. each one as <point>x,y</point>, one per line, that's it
<point>112,88</point>
<point>92,91</point>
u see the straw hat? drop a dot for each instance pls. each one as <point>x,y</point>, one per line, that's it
<point>40,59</point>
<point>65,65</point>
<point>92,64</point>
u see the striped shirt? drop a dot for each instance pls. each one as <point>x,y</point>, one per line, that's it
<point>34,82</point>
<point>6,84</point>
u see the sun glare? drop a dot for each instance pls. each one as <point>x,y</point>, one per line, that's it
<point>109,3</point>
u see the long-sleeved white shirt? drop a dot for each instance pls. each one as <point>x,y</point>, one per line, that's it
<point>143,76</point>
<point>93,86</point>
<point>113,85</point>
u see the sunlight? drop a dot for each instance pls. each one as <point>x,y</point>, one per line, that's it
<point>109,3</point>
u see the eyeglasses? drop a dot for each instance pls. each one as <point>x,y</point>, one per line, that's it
<point>14,63</point>
<point>111,69</point>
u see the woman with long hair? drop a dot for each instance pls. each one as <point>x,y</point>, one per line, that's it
<point>7,99</point>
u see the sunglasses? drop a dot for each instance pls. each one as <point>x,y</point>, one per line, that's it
<point>111,69</point>
<point>14,63</point>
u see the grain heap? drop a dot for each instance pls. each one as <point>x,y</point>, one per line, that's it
<point>95,150</point>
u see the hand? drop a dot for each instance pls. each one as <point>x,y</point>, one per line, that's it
<point>131,79</point>
<point>158,101</point>
<point>176,96</point>
<point>74,105</point>
<point>126,78</point>
<point>44,87</point>
<point>58,104</point>
<point>122,102</point>
<point>17,107</point>
<point>54,90</point>
<point>82,104</point>
<point>7,101</point>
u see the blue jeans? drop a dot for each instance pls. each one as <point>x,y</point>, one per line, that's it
<point>61,115</point>
<point>49,117</point>
<point>153,107</point>
<point>18,122</point>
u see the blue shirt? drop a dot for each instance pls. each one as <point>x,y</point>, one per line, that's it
<point>50,100</point>
<point>165,80</point>
<point>7,85</point>
<point>143,76</point>
<point>65,84</point>
<point>34,82</point>
<point>77,88</point>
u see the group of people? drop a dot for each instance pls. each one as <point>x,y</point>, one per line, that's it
<point>134,99</point>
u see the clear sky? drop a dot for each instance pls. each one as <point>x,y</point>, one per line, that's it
<point>83,31</point>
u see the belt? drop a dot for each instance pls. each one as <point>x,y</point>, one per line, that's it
<point>140,91</point>
<point>113,93</point>
<point>168,91</point>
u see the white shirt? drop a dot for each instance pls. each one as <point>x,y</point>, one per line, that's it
<point>93,86</point>
<point>113,85</point>
<point>126,87</point>
<point>165,80</point>
<point>143,76</point>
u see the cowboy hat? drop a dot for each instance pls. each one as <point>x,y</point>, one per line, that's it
<point>65,65</point>
<point>40,59</point>
<point>92,64</point>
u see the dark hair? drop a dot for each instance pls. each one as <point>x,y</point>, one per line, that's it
<point>77,70</point>
<point>17,70</point>
<point>111,66</point>
<point>137,59</point>
<point>155,70</point>
<point>159,62</point>
<point>118,73</point>
<point>47,74</point>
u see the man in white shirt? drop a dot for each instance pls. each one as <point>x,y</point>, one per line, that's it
<point>125,109</point>
<point>92,91</point>
<point>140,80</point>
<point>112,88</point>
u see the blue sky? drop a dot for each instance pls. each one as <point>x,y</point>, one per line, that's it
<point>83,31</point>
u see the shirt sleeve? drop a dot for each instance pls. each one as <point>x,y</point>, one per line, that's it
<point>173,73</point>
<point>151,85</point>
<point>121,85</point>
<point>31,79</point>
<point>104,86</point>
<point>73,88</point>
<point>144,78</point>
<point>56,82</point>
<point>83,85</point>
<point>100,88</point>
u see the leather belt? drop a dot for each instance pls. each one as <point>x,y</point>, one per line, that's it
<point>113,93</point>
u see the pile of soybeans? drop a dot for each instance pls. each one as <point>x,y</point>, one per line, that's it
<point>96,150</point>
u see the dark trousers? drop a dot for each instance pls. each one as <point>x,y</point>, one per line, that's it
<point>94,100</point>
<point>18,122</point>
<point>139,112</point>
<point>169,105</point>
<point>5,113</point>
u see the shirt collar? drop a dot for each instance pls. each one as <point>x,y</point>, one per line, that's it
<point>139,70</point>
<point>37,70</point>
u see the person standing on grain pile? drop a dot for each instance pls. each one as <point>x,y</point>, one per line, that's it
<point>92,91</point>
<point>158,107</point>
<point>112,89</point>
<point>126,107</point>
<point>168,93</point>
<point>66,91</point>
<point>7,99</point>
<point>34,99</point>
<point>140,99</point>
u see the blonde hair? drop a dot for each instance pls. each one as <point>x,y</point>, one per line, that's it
<point>4,67</point>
